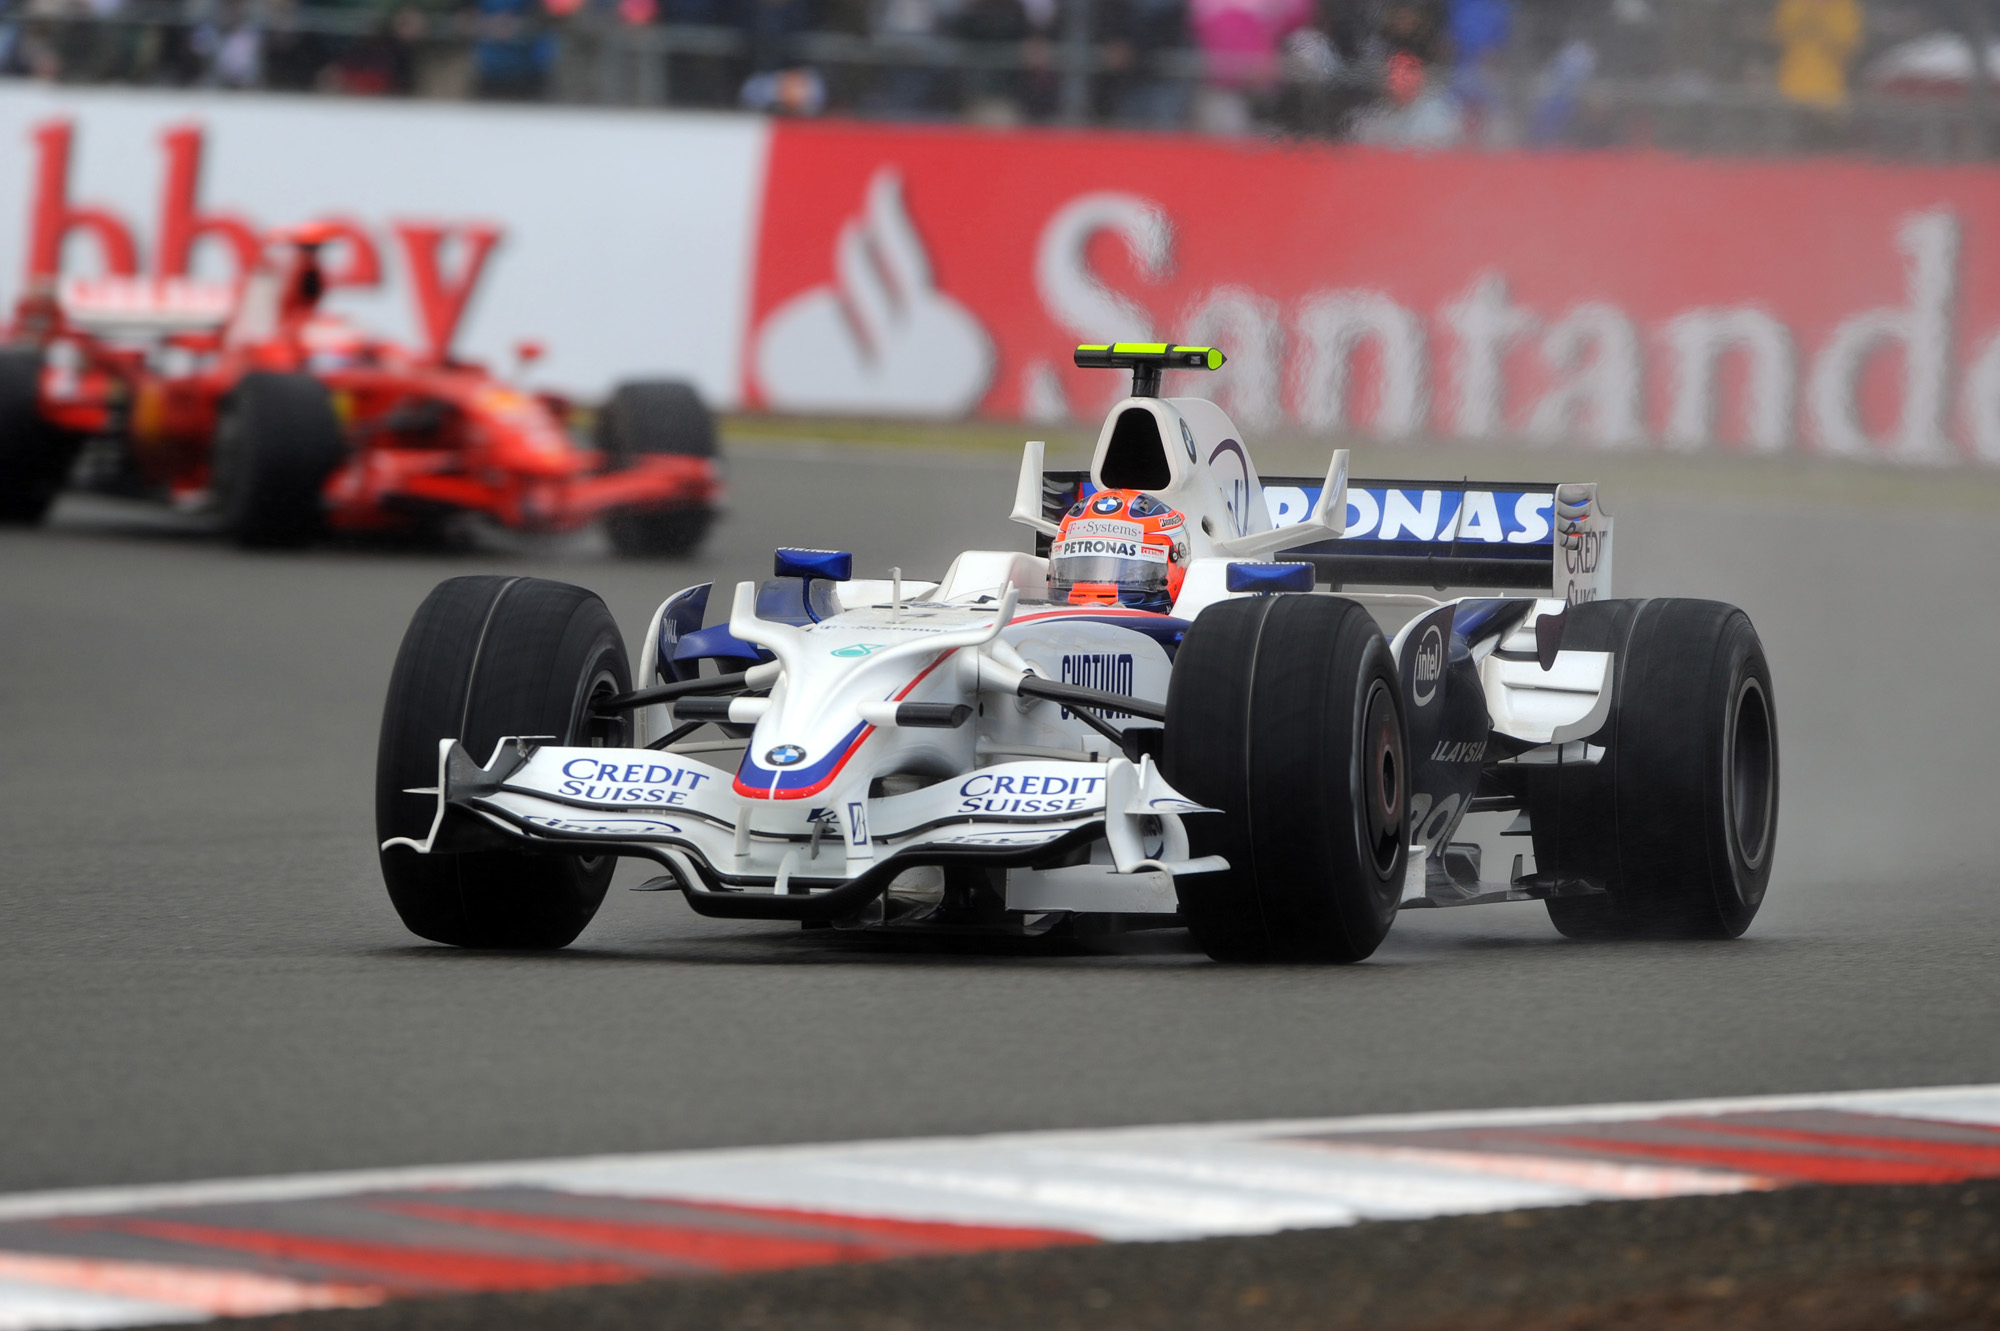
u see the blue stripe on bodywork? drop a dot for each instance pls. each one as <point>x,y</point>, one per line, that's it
<point>756,776</point>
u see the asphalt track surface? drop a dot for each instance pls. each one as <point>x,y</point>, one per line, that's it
<point>201,977</point>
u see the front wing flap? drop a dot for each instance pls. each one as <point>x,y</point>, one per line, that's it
<point>687,815</point>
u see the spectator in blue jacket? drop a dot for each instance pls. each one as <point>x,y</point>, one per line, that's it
<point>1480,30</point>
<point>513,53</point>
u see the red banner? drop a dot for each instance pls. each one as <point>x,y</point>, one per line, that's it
<point>1626,300</point>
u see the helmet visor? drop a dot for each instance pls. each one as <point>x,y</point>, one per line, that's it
<point>1130,565</point>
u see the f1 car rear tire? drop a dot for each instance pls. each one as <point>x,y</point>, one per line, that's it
<point>657,416</point>
<point>1285,714</point>
<point>278,441</point>
<point>1678,819</point>
<point>485,657</point>
<point>35,456</point>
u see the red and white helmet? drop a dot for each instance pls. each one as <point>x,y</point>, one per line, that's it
<point>1119,547</point>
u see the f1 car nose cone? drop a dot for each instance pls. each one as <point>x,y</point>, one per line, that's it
<point>785,755</point>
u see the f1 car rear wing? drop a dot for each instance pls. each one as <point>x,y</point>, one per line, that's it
<point>145,305</point>
<point>1551,539</point>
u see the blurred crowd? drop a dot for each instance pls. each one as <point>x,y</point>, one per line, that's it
<point>1410,72</point>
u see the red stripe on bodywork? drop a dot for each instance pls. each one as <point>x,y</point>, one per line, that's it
<point>816,787</point>
<point>806,792</point>
<point>751,792</point>
<point>1092,611</point>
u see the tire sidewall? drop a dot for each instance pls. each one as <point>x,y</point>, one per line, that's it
<point>277,441</point>
<point>654,418</point>
<point>487,657</point>
<point>1266,722</point>
<point>1653,821</point>
<point>35,456</point>
<point>1382,884</point>
<point>1743,874</point>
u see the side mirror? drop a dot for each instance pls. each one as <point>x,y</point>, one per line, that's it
<point>832,565</point>
<point>1265,579</point>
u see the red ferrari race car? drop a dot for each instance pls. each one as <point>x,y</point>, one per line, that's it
<point>287,421</point>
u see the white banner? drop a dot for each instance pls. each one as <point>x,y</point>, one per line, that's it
<point>626,238</point>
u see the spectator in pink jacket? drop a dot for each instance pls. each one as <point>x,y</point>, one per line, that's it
<point>1240,39</point>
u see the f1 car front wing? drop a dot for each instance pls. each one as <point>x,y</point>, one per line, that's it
<point>1031,818</point>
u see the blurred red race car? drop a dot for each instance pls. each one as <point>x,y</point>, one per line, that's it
<point>288,421</point>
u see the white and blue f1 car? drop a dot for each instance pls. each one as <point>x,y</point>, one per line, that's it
<point>1262,764</point>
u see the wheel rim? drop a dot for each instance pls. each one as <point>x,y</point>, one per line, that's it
<point>1383,775</point>
<point>591,728</point>
<point>1750,771</point>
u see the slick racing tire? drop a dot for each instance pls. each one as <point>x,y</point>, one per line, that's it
<point>35,457</point>
<point>1678,819</point>
<point>486,657</point>
<point>1285,714</point>
<point>657,417</point>
<point>276,444</point>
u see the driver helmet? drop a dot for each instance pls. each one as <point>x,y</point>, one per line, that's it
<point>1119,547</point>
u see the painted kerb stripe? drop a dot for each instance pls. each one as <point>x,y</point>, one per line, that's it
<point>189,1252</point>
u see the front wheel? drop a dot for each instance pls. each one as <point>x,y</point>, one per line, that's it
<point>278,441</point>
<point>35,457</point>
<point>1678,818</point>
<point>1284,713</point>
<point>650,418</point>
<point>486,657</point>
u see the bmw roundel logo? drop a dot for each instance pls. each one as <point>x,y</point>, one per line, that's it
<point>1107,503</point>
<point>785,755</point>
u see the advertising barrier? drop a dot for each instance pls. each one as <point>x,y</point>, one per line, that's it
<point>1625,301</point>
<point>620,240</point>
<point>1630,301</point>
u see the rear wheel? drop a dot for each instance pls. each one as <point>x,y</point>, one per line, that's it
<point>1678,819</point>
<point>656,417</point>
<point>487,657</point>
<point>35,457</point>
<point>1284,713</point>
<point>275,446</point>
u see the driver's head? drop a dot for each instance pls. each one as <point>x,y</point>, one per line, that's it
<point>299,262</point>
<point>1119,547</point>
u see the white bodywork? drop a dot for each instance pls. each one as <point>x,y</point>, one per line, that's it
<point>1021,776</point>
<point>832,788</point>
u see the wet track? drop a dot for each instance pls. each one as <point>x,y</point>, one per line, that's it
<point>201,976</point>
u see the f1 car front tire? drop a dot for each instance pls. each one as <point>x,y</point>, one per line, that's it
<point>487,657</point>
<point>655,417</point>
<point>277,442</point>
<point>1678,819</point>
<point>1284,712</point>
<point>35,457</point>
